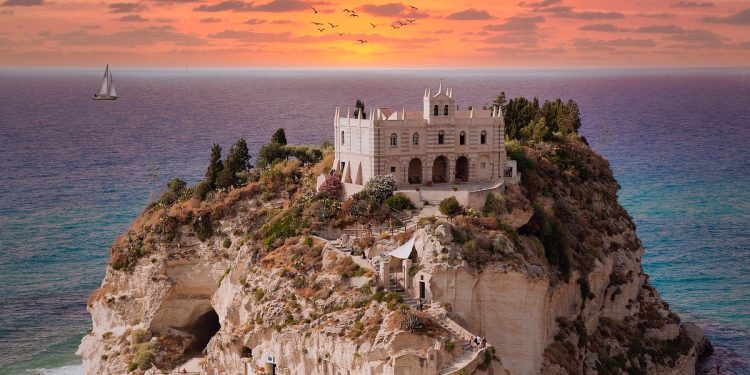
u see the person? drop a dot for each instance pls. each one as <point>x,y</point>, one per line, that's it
<point>420,306</point>
<point>369,228</point>
<point>484,342</point>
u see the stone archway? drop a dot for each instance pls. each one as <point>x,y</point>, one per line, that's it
<point>415,171</point>
<point>440,170</point>
<point>462,169</point>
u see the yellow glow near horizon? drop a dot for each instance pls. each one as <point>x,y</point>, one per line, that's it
<point>461,33</point>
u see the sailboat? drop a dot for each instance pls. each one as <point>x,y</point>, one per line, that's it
<point>107,91</point>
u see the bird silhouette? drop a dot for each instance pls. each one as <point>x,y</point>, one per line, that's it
<point>410,21</point>
<point>353,15</point>
<point>322,29</point>
<point>401,23</point>
<point>361,41</point>
<point>413,7</point>
<point>340,34</point>
<point>332,25</point>
<point>317,23</point>
<point>373,25</point>
<point>395,27</point>
<point>348,10</point>
<point>315,10</point>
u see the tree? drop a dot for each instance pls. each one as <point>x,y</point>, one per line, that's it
<point>450,206</point>
<point>537,130</point>
<point>270,153</point>
<point>215,166</point>
<point>360,109</point>
<point>570,119</point>
<point>279,137</point>
<point>518,113</point>
<point>238,161</point>
<point>500,101</point>
<point>380,187</point>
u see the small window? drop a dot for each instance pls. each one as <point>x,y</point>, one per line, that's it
<point>342,137</point>
<point>483,137</point>
<point>445,111</point>
<point>482,165</point>
<point>394,140</point>
<point>393,169</point>
<point>462,138</point>
<point>415,139</point>
<point>441,137</point>
<point>436,111</point>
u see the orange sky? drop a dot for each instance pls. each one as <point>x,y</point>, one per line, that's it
<point>458,33</point>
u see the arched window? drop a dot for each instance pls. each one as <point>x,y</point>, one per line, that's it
<point>342,137</point>
<point>441,137</point>
<point>436,111</point>
<point>483,137</point>
<point>415,139</point>
<point>462,138</point>
<point>394,140</point>
<point>445,111</point>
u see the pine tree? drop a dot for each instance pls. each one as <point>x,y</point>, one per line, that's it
<point>500,101</point>
<point>238,161</point>
<point>214,165</point>
<point>360,108</point>
<point>279,137</point>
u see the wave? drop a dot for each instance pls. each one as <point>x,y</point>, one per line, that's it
<point>64,370</point>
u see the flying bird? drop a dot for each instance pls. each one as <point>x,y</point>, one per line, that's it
<point>413,7</point>
<point>340,34</point>
<point>322,29</point>
<point>373,25</point>
<point>401,23</point>
<point>348,10</point>
<point>361,41</point>
<point>332,25</point>
<point>317,23</point>
<point>410,21</point>
<point>354,15</point>
<point>315,10</point>
<point>395,27</point>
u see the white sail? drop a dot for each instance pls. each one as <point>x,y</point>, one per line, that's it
<point>112,91</point>
<point>105,83</point>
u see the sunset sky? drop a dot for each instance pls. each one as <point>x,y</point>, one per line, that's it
<point>458,33</point>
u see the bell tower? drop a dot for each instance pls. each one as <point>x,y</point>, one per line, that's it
<point>439,108</point>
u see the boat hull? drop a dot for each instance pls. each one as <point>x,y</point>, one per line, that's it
<point>104,97</point>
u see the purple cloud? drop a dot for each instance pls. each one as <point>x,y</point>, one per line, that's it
<point>22,3</point>
<point>126,7</point>
<point>470,15</point>
<point>740,18</point>
<point>693,4</point>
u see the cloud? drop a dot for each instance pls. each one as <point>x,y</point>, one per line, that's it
<point>251,36</point>
<point>210,20</point>
<point>602,27</point>
<point>281,22</point>
<point>540,4</point>
<point>655,15</point>
<point>246,6</point>
<point>517,23</point>
<point>568,12</point>
<point>660,29</point>
<point>392,10</point>
<point>740,18</point>
<point>610,45</point>
<point>126,7</point>
<point>128,38</point>
<point>132,18</point>
<point>254,21</point>
<point>470,14</point>
<point>701,38</point>
<point>693,4</point>
<point>176,1</point>
<point>22,3</point>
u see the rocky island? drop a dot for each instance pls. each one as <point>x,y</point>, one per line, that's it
<point>284,268</point>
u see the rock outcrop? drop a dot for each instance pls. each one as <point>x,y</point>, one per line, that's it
<point>549,274</point>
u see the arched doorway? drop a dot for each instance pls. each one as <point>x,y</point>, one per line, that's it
<point>462,169</point>
<point>415,171</point>
<point>203,329</point>
<point>440,170</point>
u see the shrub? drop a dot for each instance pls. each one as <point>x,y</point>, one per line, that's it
<point>495,204</point>
<point>281,228</point>
<point>399,202</point>
<point>308,241</point>
<point>449,345</point>
<point>378,188</point>
<point>227,243</point>
<point>202,227</point>
<point>412,323</point>
<point>331,186</point>
<point>202,189</point>
<point>143,358</point>
<point>450,206</point>
<point>175,191</point>
<point>547,229</point>
<point>127,258</point>
<point>139,335</point>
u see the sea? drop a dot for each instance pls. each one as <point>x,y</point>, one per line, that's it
<point>75,172</point>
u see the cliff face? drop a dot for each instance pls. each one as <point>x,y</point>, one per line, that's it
<point>550,274</point>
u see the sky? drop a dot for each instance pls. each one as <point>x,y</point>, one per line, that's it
<point>371,34</point>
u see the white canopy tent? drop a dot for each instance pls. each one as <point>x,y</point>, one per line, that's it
<point>403,251</point>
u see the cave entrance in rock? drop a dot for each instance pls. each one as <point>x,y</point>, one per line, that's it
<point>204,328</point>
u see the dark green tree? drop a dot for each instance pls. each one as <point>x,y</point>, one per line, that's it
<point>570,119</point>
<point>519,113</point>
<point>215,165</point>
<point>500,101</point>
<point>237,162</point>
<point>271,153</point>
<point>360,109</point>
<point>279,137</point>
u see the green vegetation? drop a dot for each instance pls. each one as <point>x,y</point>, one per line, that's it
<point>379,188</point>
<point>359,108</point>
<point>527,121</point>
<point>450,206</point>
<point>143,358</point>
<point>547,229</point>
<point>282,227</point>
<point>331,187</point>
<point>278,150</point>
<point>202,227</point>
<point>126,257</point>
<point>235,166</point>
<point>399,202</point>
<point>279,137</point>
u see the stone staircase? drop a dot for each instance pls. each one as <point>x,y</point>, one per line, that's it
<point>458,334</point>
<point>402,216</point>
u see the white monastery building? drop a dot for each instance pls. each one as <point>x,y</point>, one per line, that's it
<point>438,149</point>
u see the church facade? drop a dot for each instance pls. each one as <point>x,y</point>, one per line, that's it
<point>440,144</point>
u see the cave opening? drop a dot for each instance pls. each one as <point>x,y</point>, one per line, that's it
<point>204,328</point>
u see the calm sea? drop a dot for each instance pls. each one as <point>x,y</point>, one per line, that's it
<point>76,172</point>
